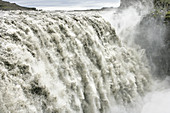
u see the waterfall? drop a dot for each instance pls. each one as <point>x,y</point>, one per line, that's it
<point>53,62</point>
<point>140,27</point>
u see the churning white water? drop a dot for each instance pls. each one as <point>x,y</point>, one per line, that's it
<point>66,62</point>
<point>53,62</point>
<point>126,23</point>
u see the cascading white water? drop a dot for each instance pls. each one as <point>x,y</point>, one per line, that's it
<point>126,20</point>
<point>66,62</point>
<point>138,28</point>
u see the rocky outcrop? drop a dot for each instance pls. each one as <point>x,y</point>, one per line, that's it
<point>162,4</point>
<point>153,36</point>
<point>153,33</point>
<point>12,6</point>
<point>158,50</point>
<point>127,3</point>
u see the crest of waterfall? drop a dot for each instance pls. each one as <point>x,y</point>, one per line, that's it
<point>66,62</point>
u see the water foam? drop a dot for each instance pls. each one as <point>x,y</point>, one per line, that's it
<point>66,62</point>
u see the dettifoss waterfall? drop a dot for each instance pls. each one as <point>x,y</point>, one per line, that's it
<point>73,62</point>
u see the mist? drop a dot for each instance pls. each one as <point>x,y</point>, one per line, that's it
<point>138,28</point>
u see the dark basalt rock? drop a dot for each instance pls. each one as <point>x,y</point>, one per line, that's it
<point>162,4</point>
<point>159,54</point>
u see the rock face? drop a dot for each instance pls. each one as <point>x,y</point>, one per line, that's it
<point>127,3</point>
<point>163,4</point>
<point>158,50</point>
<point>156,25</point>
<point>12,6</point>
<point>153,36</point>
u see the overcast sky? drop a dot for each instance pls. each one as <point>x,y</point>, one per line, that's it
<point>67,4</point>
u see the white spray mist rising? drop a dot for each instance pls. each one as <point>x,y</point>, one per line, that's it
<point>138,28</point>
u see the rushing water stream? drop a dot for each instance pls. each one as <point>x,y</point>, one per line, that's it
<point>55,62</point>
<point>52,62</point>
